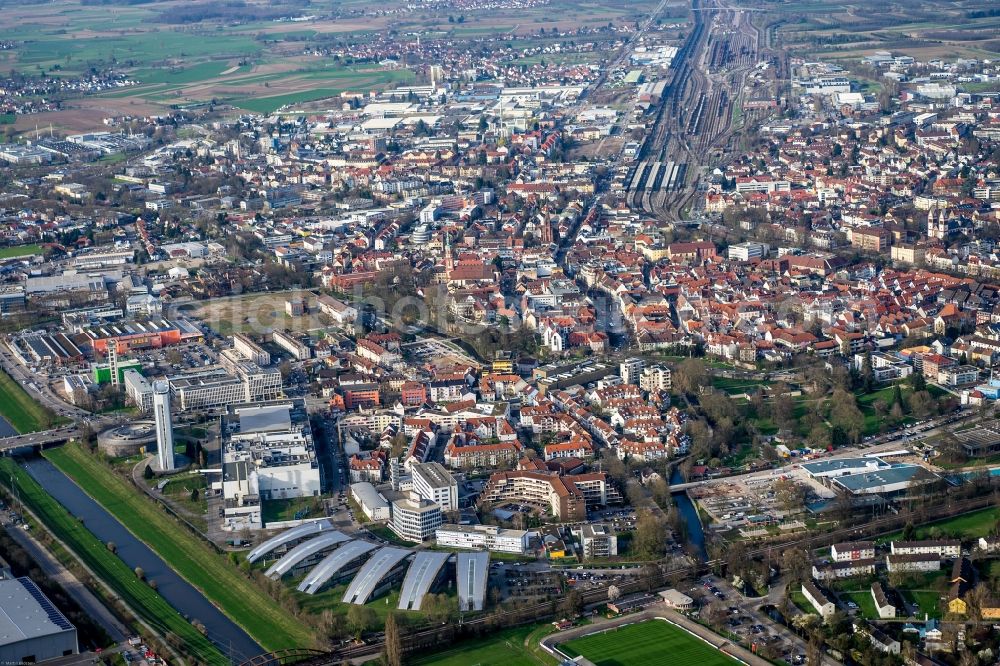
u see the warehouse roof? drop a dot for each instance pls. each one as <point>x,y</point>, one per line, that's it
<point>877,481</point>
<point>333,563</point>
<point>294,534</point>
<point>306,549</point>
<point>26,613</point>
<point>471,571</point>
<point>266,418</point>
<point>419,578</point>
<point>373,571</point>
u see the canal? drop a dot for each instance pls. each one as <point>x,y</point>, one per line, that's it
<point>6,429</point>
<point>689,516</point>
<point>192,604</point>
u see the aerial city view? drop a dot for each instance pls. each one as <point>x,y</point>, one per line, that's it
<point>500,332</point>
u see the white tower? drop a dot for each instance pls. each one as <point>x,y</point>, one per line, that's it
<point>164,428</point>
<point>113,361</point>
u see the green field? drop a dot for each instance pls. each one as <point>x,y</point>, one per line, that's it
<point>182,75</point>
<point>247,605</point>
<point>508,647</point>
<point>650,643</point>
<point>141,598</point>
<point>865,602</point>
<point>800,601</point>
<point>968,526</point>
<point>19,250</point>
<point>21,410</point>
<point>927,601</point>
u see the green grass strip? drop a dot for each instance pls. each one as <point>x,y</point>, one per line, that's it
<point>21,410</point>
<point>191,557</point>
<point>142,599</point>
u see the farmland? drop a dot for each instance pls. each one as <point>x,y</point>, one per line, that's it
<point>650,643</point>
<point>838,31</point>
<point>260,63</point>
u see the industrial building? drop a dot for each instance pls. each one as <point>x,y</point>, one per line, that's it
<point>267,454</point>
<point>885,481</point>
<point>425,571</point>
<point>471,572</point>
<point>307,553</point>
<point>289,538</point>
<point>32,630</point>
<point>379,573</point>
<point>372,503</point>
<point>152,333</point>
<point>337,566</point>
<point>979,442</point>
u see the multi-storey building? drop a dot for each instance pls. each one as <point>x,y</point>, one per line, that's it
<point>483,537</point>
<point>250,350</point>
<point>845,569</point>
<point>913,562</point>
<point>853,550</point>
<point>597,540</point>
<point>298,349</point>
<point>945,548</point>
<point>415,519</point>
<point>656,378</point>
<point>431,481</point>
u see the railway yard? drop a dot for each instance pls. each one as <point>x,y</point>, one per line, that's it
<point>697,114</point>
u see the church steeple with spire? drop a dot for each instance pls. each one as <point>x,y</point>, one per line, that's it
<point>449,260</point>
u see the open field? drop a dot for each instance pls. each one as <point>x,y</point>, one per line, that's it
<point>509,647</point>
<point>257,62</point>
<point>842,31</point>
<point>928,602</point>
<point>650,643</point>
<point>192,558</point>
<point>143,600</point>
<point>252,313</point>
<point>968,526</point>
<point>800,600</point>
<point>19,250</point>
<point>21,410</point>
<point>865,602</point>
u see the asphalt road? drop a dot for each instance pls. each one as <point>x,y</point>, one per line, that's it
<point>54,570</point>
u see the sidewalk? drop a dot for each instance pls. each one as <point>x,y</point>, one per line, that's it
<point>74,588</point>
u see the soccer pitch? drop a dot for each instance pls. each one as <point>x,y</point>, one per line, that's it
<point>650,643</point>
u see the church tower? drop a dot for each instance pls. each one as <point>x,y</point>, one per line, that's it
<point>449,260</point>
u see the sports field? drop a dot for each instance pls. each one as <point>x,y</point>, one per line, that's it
<point>19,250</point>
<point>650,643</point>
<point>509,647</point>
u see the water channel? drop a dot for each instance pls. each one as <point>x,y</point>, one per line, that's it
<point>689,516</point>
<point>227,635</point>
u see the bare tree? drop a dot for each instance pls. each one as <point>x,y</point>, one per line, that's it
<point>393,643</point>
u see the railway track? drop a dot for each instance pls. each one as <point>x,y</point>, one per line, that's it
<point>695,115</point>
<point>436,636</point>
